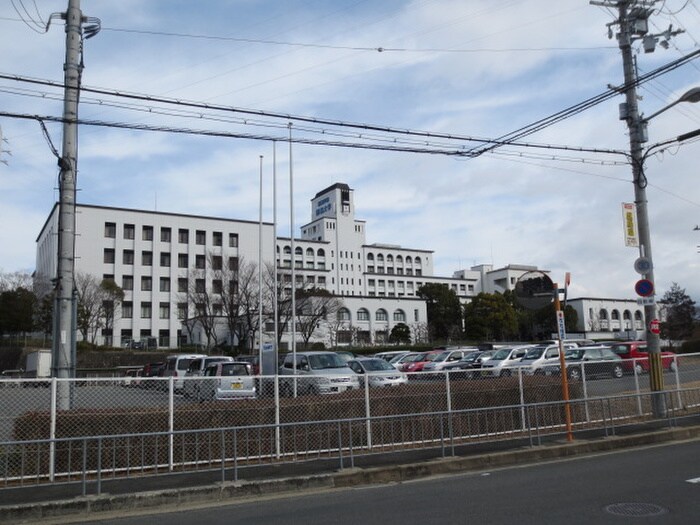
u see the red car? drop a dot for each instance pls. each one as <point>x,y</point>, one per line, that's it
<point>636,355</point>
<point>419,361</point>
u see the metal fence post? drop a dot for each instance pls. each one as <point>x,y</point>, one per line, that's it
<point>368,414</point>
<point>171,421</point>
<point>277,417</point>
<point>52,431</point>
<point>636,387</point>
<point>522,396</point>
<point>678,381</point>
<point>585,391</point>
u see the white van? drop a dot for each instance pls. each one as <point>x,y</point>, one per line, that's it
<point>176,366</point>
<point>196,369</point>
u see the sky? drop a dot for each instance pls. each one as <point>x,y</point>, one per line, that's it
<point>476,69</point>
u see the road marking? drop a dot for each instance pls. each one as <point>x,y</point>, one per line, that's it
<point>694,480</point>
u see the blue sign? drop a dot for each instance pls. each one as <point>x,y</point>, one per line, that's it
<point>644,288</point>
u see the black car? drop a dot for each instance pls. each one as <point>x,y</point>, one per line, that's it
<point>469,365</point>
<point>593,362</point>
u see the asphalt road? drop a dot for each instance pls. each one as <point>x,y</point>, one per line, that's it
<point>659,485</point>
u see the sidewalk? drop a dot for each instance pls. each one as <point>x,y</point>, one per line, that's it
<point>42,502</point>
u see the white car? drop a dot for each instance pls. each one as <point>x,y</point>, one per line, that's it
<point>226,380</point>
<point>538,358</point>
<point>441,360</point>
<point>378,372</point>
<point>196,369</point>
<point>504,362</point>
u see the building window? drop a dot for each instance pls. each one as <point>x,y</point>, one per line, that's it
<point>200,286</point>
<point>416,316</point>
<point>129,231</point>
<point>127,282</point>
<point>165,234</point>
<point>182,260</point>
<point>217,286</point>
<point>183,236</point>
<point>217,309</point>
<point>146,310</point>
<point>199,262</point>
<point>399,316</point>
<point>108,256</point>
<point>362,314</point>
<point>182,284</point>
<point>182,310</point>
<point>147,233</point>
<point>165,284</point>
<point>127,309</point>
<point>200,237</point>
<point>233,240</point>
<point>343,314</point>
<point>164,310</point>
<point>233,264</point>
<point>146,258</point>
<point>165,259</point>
<point>146,284</point>
<point>128,257</point>
<point>217,239</point>
<point>381,315</point>
<point>217,262</point>
<point>110,230</point>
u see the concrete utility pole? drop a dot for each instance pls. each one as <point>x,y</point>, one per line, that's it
<point>632,21</point>
<point>63,353</point>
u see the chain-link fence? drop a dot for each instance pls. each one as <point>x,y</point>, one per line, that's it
<point>90,428</point>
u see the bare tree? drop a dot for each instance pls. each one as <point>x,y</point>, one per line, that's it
<point>314,305</point>
<point>203,305</point>
<point>15,280</point>
<point>98,301</point>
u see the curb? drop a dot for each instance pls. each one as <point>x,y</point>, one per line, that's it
<point>230,492</point>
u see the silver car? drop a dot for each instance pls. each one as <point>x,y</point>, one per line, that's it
<point>227,380</point>
<point>378,372</point>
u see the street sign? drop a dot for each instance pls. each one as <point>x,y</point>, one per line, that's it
<point>644,288</point>
<point>642,265</point>
<point>561,325</point>
<point>654,326</point>
<point>646,301</point>
<point>629,219</point>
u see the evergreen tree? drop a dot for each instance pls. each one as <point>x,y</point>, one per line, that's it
<point>679,310</point>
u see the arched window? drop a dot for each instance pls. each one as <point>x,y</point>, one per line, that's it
<point>380,258</point>
<point>417,261</point>
<point>627,315</point>
<point>309,252</point>
<point>370,256</point>
<point>363,314</point>
<point>409,261</point>
<point>390,259</point>
<point>298,251</point>
<point>287,250</point>
<point>343,314</point>
<point>638,315</point>
<point>381,315</point>
<point>321,252</point>
<point>603,314</point>
<point>615,315</point>
<point>399,259</point>
<point>399,316</point>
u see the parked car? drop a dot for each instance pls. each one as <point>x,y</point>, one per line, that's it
<point>254,361</point>
<point>378,372</point>
<point>538,357</point>
<point>505,362</point>
<point>590,362</point>
<point>196,369</point>
<point>389,355</point>
<point>441,360</point>
<point>469,366</point>
<point>417,363</point>
<point>317,373</point>
<point>345,355</point>
<point>635,356</point>
<point>176,366</point>
<point>150,371</point>
<point>226,380</point>
<point>398,361</point>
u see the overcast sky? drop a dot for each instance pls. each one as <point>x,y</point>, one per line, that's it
<point>467,68</point>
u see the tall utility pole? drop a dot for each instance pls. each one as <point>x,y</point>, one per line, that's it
<point>633,25</point>
<point>63,362</point>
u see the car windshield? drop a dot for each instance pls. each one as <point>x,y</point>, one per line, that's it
<point>325,361</point>
<point>534,353</point>
<point>502,354</point>
<point>437,357</point>
<point>377,365</point>
<point>574,354</point>
<point>471,357</point>
<point>400,358</point>
<point>234,369</point>
<point>183,364</point>
<point>416,358</point>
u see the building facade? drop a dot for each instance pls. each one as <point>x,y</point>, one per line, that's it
<point>158,257</point>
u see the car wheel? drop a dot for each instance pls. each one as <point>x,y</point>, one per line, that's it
<point>574,374</point>
<point>617,371</point>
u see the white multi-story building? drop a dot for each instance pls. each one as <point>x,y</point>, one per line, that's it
<point>154,256</point>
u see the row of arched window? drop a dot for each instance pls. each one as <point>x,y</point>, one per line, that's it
<point>400,260</point>
<point>615,315</point>
<point>287,250</point>
<point>363,314</point>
